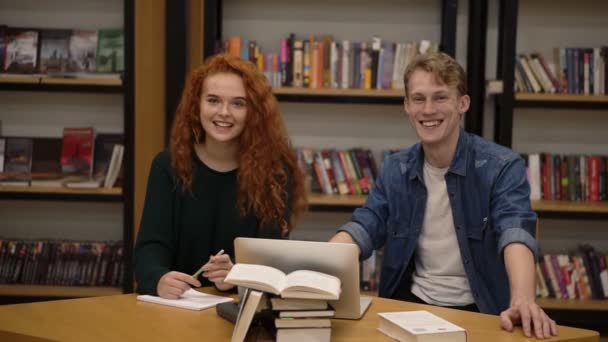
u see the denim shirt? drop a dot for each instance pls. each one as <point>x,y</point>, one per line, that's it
<point>489,196</point>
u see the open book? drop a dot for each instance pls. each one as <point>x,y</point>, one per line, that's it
<point>297,284</point>
<point>191,299</point>
<point>418,326</point>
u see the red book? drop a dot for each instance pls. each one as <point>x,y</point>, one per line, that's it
<point>594,178</point>
<point>557,177</point>
<point>77,151</point>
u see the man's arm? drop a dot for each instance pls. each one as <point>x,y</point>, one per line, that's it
<point>367,228</point>
<point>519,262</point>
<point>343,237</point>
<point>515,222</point>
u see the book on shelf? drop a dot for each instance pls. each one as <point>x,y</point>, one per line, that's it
<point>110,50</point>
<point>2,148</point>
<point>14,179</point>
<point>63,262</point>
<point>83,51</point>
<point>46,156</point>
<point>18,155</point>
<point>413,326</point>
<point>21,54</point>
<point>579,70</point>
<point>106,166</point>
<point>296,284</point>
<point>191,300</point>
<point>578,275</point>
<point>330,63</point>
<point>3,43</point>
<point>77,151</point>
<point>54,50</point>
<point>115,166</point>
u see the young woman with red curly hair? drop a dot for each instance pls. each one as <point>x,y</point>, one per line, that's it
<point>230,171</point>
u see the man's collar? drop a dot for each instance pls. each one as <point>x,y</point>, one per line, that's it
<point>459,162</point>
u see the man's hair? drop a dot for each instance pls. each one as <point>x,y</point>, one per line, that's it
<point>445,69</point>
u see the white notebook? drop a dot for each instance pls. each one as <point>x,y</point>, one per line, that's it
<point>191,299</point>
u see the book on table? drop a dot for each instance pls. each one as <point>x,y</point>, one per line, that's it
<point>191,299</point>
<point>419,326</point>
<point>250,303</point>
<point>304,335</point>
<point>307,313</point>
<point>286,304</point>
<point>297,284</point>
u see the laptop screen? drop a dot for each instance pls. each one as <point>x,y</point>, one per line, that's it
<point>338,259</point>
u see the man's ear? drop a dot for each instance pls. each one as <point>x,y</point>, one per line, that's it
<point>463,103</point>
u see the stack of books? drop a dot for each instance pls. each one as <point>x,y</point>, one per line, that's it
<point>298,301</point>
<point>302,319</point>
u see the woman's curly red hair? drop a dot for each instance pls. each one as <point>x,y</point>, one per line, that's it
<point>265,155</point>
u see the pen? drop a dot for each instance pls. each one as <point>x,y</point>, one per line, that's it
<point>195,275</point>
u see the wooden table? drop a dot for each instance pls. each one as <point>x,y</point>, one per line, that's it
<point>123,318</point>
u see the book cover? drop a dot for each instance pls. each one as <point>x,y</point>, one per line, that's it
<point>83,51</point>
<point>77,151</point>
<point>3,42</point>
<point>21,51</point>
<point>419,326</point>
<point>18,155</point>
<point>46,155</point>
<point>46,163</point>
<point>110,50</point>
<point>104,146</point>
<point>115,166</point>
<point>54,50</point>
<point>2,147</point>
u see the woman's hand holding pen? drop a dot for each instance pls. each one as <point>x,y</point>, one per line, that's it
<point>173,284</point>
<point>216,270</point>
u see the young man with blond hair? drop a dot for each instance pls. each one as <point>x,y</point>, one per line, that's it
<point>453,211</point>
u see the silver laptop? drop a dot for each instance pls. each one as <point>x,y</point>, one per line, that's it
<point>338,259</point>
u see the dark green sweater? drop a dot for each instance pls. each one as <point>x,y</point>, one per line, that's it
<point>179,231</point>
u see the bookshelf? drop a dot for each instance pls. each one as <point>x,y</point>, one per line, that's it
<point>50,84</point>
<point>561,123</point>
<point>40,106</point>
<point>354,201</point>
<point>522,98</point>
<point>57,291</point>
<point>60,194</point>
<point>319,118</point>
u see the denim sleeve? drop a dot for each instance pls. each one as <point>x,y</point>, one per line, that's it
<point>368,223</point>
<point>514,220</point>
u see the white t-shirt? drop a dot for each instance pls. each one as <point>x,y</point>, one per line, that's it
<point>439,278</point>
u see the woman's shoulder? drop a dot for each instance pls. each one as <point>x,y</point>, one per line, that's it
<point>162,158</point>
<point>162,161</point>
